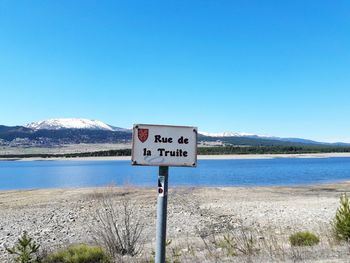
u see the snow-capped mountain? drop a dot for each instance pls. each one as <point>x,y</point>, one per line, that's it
<point>234,134</point>
<point>54,132</point>
<point>71,123</point>
<point>227,134</point>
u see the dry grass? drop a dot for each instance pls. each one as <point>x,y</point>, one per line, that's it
<point>229,242</point>
<point>243,244</point>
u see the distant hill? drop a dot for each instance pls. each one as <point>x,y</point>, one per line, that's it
<point>56,132</point>
<point>24,136</point>
<point>258,141</point>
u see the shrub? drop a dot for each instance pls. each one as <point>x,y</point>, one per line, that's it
<point>227,244</point>
<point>79,254</point>
<point>26,250</point>
<point>246,241</point>
<point>341,223</point>
<point>240,240</point>
<point>303,239</point>
<point>118,228</point>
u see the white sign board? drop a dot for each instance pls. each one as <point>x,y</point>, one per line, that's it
<point>161,145</point>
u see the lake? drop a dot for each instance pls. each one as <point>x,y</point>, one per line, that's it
<point>263,172</point>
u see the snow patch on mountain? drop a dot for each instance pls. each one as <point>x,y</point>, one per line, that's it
<point>71,123</point>
<point>234,134</point>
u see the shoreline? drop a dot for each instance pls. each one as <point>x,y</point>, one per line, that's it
<point>56,217</point>
<point>342,186</point>
<point>200,157</point>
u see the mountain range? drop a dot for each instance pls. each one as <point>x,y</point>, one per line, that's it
<point>56,132</point>
<point>71,123</point>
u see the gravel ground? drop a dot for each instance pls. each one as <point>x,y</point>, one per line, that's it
<point>58,217</point>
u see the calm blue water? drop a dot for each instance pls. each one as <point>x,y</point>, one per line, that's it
<point>284,171</point>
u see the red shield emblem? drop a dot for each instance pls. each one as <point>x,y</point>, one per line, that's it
<point>142,134</point>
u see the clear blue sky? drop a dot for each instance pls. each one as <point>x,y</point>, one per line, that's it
<point>268,67</point>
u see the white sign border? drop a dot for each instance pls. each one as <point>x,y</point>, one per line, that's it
<point>195,130</point>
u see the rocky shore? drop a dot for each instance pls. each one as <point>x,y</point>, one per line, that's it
<point>58,217</point>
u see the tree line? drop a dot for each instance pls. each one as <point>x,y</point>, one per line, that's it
<point>220,150</point>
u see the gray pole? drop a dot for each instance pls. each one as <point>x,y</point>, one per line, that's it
<point>162,203</point>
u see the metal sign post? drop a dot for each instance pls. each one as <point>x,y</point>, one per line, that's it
<point>162,203</point>
<point>163,146</point>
